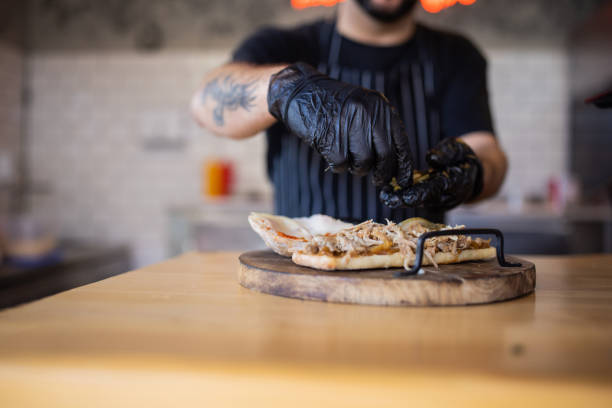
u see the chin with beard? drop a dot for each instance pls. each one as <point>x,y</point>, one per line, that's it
<point>387,16</point>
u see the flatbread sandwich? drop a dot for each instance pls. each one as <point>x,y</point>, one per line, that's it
<point>323,242</point>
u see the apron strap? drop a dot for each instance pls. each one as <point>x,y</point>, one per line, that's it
<point>425,48</point>
<point>328,36</point>
<point>334,48</point>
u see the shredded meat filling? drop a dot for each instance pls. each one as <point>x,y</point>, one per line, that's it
<point>370,238</point>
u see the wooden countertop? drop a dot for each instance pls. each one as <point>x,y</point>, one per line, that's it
<point>184,332</point>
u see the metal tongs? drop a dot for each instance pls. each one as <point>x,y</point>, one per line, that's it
<point>467,231</point>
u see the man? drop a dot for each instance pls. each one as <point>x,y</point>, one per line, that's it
<point>353,107</point>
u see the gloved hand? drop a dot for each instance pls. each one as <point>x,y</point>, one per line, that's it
<point>353,128</point>
<point>455,176</point>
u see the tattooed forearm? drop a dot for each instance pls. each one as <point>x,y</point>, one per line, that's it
<point>228,94</point>
<point>232,100</point>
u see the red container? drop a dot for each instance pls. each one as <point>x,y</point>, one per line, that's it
<point>218,177</point>
<point>227,177</point>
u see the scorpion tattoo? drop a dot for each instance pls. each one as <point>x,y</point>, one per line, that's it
<point>228,94</point>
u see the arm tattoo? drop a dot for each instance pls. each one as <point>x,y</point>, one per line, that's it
<point>228,93</point>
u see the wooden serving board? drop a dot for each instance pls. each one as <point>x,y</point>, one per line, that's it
<point>458,284</point>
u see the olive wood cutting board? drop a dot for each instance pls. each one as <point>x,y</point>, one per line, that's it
<point>456,284</point>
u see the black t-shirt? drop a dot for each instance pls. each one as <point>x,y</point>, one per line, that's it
<point>460,67</point>
<point>459,80</point>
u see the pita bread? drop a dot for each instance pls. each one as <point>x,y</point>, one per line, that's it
<point>286,235</point>
<point>377,261</point>
<point>322,242</point>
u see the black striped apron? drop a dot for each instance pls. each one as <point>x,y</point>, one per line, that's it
<point>303,186</point>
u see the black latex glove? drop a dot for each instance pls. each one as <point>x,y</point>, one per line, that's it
<point>455,177</point>
<point>353,128</point>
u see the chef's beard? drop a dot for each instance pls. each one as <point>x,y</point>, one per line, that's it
<point>387,16</point>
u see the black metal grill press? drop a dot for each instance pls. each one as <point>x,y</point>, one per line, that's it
<point>467,231</point>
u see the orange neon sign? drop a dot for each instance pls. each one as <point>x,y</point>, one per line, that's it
<point>432,6</point>
<point>302,4</point>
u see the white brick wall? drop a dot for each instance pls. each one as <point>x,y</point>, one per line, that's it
<point>90,117</point>
<point>530,102</point>
<point>92,113</point>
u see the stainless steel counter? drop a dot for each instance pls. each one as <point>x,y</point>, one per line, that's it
<point>528,228</point>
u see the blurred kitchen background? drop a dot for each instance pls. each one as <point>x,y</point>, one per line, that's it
<point>101,159</point>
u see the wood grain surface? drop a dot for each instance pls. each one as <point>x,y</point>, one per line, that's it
<point>185,333</point>
<point>456,284</point>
